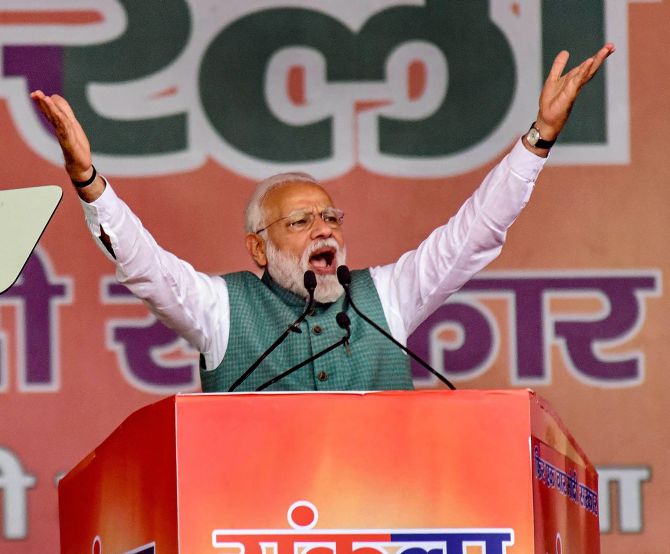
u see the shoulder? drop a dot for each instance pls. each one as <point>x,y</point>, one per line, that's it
<point>241,279</point>
<point>361,274</point>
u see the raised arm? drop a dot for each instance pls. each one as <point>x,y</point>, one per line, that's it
<point>420,282</point>
<point>195,305</point>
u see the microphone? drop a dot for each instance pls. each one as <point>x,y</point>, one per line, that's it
<point>344,322</point>
<point>344,278</point>
<point>309,280</point>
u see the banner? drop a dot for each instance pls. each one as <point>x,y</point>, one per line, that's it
<point>400,108</point>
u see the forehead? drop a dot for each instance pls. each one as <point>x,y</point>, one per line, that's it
<point>292,196</point>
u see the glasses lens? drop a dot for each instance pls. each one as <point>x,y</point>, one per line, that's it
<point>300,220</point>
<point>333,217</point>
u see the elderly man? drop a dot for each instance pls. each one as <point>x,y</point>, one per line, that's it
<point>292,226</point>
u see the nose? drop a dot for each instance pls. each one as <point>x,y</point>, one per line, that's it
<point>320,229</point>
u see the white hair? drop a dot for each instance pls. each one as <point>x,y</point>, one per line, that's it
<point>253,215</point>
<point>288,270</point>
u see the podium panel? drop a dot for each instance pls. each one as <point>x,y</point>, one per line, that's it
<point>124,492</point>
<point>415,472</point>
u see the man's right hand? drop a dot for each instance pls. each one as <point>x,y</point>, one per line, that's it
<point>73,142</point>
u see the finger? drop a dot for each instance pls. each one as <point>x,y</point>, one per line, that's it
<point>64,107</point>
<point>600,57</point>
<point>45,109</point>
<point>38,97</point>
<point>609,46</point>
<point>56,113</point>
<point>560,61</point>
<point>58,119</point>
<point>578,77</point>
<point>584,70</point>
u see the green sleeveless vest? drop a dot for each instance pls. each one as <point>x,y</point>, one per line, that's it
<point>261,310</point>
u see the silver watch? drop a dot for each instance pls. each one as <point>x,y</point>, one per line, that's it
<point>535,139</point>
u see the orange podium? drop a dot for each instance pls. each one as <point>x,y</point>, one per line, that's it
<point>420,472</point>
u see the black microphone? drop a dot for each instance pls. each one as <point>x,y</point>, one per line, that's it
<point>344,277</point>
<point>309,280</point>
<point>344,322</point>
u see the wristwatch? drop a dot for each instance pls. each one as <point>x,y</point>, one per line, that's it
<point>535,139</point>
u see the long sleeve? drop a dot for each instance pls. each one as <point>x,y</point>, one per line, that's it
<point>193,304</point>
<point>412,288</point>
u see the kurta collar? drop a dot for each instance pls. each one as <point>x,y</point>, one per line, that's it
<point>290,298</point>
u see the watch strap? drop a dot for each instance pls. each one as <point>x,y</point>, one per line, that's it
<point>540,142</point>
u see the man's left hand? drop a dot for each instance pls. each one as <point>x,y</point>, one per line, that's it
<point>560,91</point>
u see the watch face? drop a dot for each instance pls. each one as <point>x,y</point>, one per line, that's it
<point>533,136</point>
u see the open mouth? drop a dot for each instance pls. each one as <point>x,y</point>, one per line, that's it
<point>323,260</point>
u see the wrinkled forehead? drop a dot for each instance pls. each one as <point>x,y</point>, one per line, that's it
<point>286,198</point>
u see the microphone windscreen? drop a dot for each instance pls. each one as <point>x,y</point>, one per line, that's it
<point>343,275</point>
<point>343,320</point>
<point>309,280</point>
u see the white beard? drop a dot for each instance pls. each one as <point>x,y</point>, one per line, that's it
<point>288,271</point>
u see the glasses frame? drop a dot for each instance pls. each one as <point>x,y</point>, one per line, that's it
<point>339,216</point>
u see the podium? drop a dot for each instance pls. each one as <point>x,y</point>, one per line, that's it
<point>414,472</point>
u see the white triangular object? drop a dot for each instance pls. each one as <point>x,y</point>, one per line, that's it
<point>24,214</point>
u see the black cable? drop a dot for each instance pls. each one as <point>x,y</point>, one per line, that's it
<point>309,280</point>
<point>343,321</point>
<point>344,277</point>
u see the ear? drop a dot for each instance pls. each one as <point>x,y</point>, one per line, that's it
<point>256,247</point>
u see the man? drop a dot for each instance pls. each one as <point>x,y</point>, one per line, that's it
<point>292,226</point>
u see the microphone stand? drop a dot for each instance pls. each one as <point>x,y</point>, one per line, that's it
<point>344,277</point>
<point>342,321</point>
<point>310,285</point>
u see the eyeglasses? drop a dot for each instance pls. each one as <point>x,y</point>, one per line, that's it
<point>302,220</point>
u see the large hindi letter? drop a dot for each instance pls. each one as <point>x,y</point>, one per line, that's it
<point>584,339</point>
<point>629,481</point>
<point>583,336</point>
<point>481,86</point>
<point>464,356</point>
<point>139,344</point>
<point>481,82</point>
<point>36,295</point>
<point>14,484</point>
<point>526,296</point>
<point>232,77</point>
<point>491,541</point>
<point>156,33</point>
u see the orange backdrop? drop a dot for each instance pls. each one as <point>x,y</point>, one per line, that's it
<point>574,307</point>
